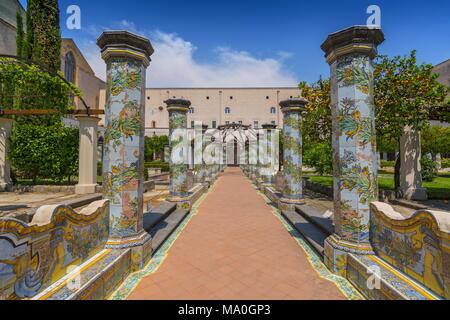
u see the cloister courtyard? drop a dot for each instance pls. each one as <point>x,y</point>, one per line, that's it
<point>339,191</point>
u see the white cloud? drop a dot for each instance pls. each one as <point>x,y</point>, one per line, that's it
<point>174,65</point>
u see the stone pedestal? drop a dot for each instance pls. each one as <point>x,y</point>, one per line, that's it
<point>292,192</point>
<point>127,56</point>
<point>87,164</point>
<point>5,166</point>
<point>349,53</point>
<point>410,176</point>
<point>178,187</point>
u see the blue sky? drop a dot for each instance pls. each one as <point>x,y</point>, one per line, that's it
<point>254,43</point>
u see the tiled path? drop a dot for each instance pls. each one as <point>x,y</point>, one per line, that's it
<point>235,248</point>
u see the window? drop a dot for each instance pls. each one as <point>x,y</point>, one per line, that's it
<point>207,97</point>
<point>153,124</point>
<point>214,124</point>
<point>192,123</point>
<point>191,110</point>
<point>148,97</point>
<point>227,122</point>
<point>273,110</point>
<point>240,122</point>
<point>227,110</point>
<point>267,97</point>
<point>69,69</point>
<point>255,124</point>
<point>231,97</point>
<point>273,122</point>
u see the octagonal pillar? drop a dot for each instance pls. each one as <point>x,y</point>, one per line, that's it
<point>292,192</point>
<point>127,56</point>
<point>178,186</point>
<point>349,53</point>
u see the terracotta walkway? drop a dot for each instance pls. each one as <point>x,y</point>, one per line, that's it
<point>235,248</point>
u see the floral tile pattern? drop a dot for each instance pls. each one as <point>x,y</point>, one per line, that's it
<point>123,159</point>
<point>32,257</point>
<point>178,172</point>
<point>354,145</point>
<point>292,155</point>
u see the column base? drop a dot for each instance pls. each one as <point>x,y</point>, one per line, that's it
<point>264,185</point>
<point>415,193</point>
<point>4,186</point>
<point>336,250</point>
<point>182,202</point>
<point>85,188</point>
<point>285,204</point>
<point>140,245</point>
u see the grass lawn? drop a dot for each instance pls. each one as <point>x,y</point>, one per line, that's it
<point>439,188</point>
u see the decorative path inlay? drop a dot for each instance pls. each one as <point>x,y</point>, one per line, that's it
<point>232,247</point>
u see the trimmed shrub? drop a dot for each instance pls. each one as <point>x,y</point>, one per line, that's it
<point>445,163</point>
<point>157,164</point>
<point>45,152</point>
<point>386,163</point>
<point>428,169</point>
<point>319,156</point>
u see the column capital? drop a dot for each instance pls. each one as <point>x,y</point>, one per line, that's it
<point>356,39</point>
<point>296,104</point>
<point>5,121</point>
<point>86,118</point>
<point>178,104</point>
<point>269,126</point>
<point>125,44</point>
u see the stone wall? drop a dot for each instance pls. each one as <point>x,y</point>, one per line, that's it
<point>8,10</point>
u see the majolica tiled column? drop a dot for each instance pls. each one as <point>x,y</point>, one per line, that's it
<point>127,56</point>
<point>349,53</point>
<point>292,192</point>
<point>178,187</point>
<point>258,155</point>
<point>207,155</point>
<point>252,154</point>
<point>202,175</point>
<point>268,167</point>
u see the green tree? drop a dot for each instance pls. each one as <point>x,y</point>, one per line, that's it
<point>406,94</point>
<point>46,47</point>
<point>27,50</point>
<point>20,35</point>
<point>154,146</point>
<point>435,140</point>
<point>316,128</point>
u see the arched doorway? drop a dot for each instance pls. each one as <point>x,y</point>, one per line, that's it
<point>234,138</point>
